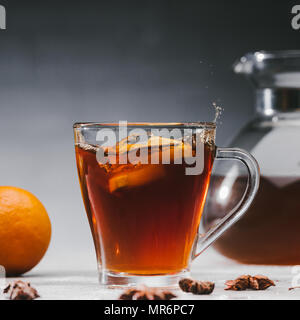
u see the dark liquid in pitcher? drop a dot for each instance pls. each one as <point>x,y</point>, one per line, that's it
<point>269,232</point>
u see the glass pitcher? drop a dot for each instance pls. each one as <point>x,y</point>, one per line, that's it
<point>269,233</point>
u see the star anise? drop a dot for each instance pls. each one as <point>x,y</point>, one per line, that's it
<point>20,290</point>
<point>258,282</point>
<point>145,293</point>
<point>196,287</point>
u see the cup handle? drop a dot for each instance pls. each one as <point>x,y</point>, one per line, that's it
<point>205,240</point>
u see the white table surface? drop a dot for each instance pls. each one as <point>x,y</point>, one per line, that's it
<point>79,279</point>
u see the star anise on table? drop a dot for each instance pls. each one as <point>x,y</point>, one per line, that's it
<point>143,292</point>
<point>258,282</point>
<point>20,290</point>
<point>196,287</point>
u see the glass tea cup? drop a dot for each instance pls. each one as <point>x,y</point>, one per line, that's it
<point>144,186</point>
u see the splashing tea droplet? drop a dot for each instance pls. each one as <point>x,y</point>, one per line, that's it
<point>218,111</point>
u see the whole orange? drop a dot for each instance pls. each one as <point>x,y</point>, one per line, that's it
<point>25,230</point>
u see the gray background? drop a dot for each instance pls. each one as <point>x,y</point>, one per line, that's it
<point>68,61</point>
